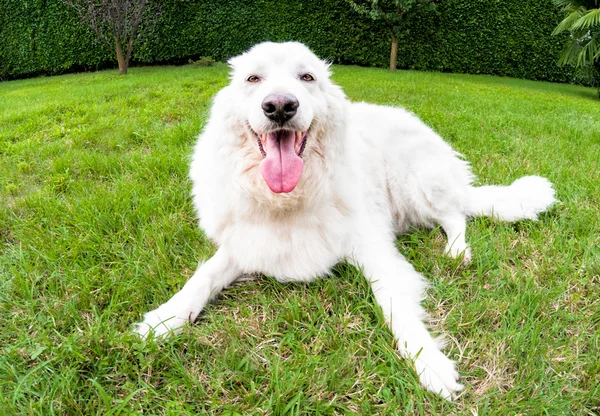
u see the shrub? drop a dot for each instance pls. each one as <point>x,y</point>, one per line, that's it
<point>502,37</point>
<point>582,48</point>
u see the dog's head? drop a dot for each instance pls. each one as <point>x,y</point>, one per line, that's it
<point>284,97</point>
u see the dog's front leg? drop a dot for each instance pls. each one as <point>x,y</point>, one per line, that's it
<point>399,289</point>
<point>208,280</point>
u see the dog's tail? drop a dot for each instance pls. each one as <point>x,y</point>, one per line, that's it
<point>525,198</point>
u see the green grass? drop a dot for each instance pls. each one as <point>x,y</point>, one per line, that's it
<point>97,227</point>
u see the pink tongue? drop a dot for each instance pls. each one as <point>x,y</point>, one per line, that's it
<point>282,167</point>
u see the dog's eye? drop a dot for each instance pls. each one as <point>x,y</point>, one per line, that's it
<point>307,77</point>
<point>253,78</point>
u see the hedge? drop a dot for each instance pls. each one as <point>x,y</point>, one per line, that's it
<point>500,37</point>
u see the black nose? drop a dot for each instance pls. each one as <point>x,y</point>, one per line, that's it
<point>280,107</point>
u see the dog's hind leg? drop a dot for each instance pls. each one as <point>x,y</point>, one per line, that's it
<point>454,226</point>
<point>209,279</point>
<point>399,289</point>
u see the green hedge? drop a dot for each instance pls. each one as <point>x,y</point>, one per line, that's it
<point>43,36</point>
<point>501,37</point>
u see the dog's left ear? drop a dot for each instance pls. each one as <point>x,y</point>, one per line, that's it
<point>327,64</point>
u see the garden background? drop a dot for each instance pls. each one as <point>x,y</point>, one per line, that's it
<point>501,37</point>
<point>97,224</point>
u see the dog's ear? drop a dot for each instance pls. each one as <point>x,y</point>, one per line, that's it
<point>233,62</point>
<point>327,64</point>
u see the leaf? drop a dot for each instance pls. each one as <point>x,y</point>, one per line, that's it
<point>567,23</point>
<point>588,20</point>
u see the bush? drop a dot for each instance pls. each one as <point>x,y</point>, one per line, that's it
<point>203,61</point>
<point>43,36</point>
<point>500,37</point>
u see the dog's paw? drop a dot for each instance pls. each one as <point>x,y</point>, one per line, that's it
<point>162,322</point>
<point>456,251</point>
<point>438,373</point>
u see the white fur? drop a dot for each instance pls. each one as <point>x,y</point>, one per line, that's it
<point>370,172</point>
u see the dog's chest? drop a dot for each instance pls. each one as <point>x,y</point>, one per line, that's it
<point>298,248</point>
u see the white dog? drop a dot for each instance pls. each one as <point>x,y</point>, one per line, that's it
<point>290,178</point>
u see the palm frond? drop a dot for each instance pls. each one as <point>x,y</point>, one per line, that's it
<point>570,53</point>
<point>566,24</point>
<point>566,4</point>
<point>587,53</point>
<point>588,20</point>
<point>561,3</point>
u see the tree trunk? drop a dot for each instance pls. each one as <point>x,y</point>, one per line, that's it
<point>129,49</point>
<point>393,51</point>
<point>123,63</point>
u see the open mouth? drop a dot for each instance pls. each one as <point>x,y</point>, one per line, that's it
<point>299,140</point>
<point>282,165</point>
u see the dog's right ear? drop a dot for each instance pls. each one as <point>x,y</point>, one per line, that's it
<point>233,62</point>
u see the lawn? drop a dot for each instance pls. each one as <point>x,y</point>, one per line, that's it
<point>97,227</point>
